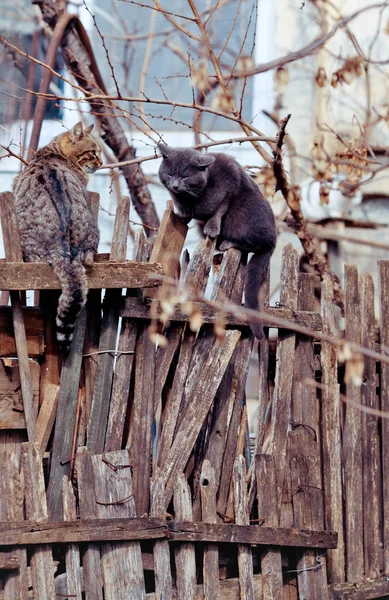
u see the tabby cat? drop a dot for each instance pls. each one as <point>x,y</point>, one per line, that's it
<point>216,191</point>
<point>55,222</point>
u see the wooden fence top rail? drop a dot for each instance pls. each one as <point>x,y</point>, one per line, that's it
<point>40,276</point>
<point>97,530</point>
<point>134,309</point>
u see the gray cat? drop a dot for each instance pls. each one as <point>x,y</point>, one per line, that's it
<point>227,204</point>
<point>55,222</point>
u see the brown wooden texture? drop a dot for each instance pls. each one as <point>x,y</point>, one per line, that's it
<point>11,509</point>
<point>161,551</point>
<point>46,416</point>
<point>308,511</point>
<point>61,458</point>
<point>372,473</point>
<point>91,529</point>
<point>11,406</point>
<point>269,510</point>
<point>384,391</point>
<point>133,308</point>
<point>208,487</point>
<point>367,590</point>
<point>352,441</point>
<point>33,322</point>
<point>98,417</point>
<point>121,563</point>
<point>203,386</point>
<point>281,403</point>
<point>93,579</point>
<point>124,362</point>
<point>140,442</point>
<point>13,252</point>
<point>105,275</point>
<point>245,557</point>
<point>168,245</point>
<point>330,439</point>
<point>184,553</point>
<point>72,557</point>
<point>42,566</point>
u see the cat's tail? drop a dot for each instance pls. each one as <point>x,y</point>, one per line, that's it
<point>255,275</point>
<point>74,292</point>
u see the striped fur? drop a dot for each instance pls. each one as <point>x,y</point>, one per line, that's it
<point>55,222</point>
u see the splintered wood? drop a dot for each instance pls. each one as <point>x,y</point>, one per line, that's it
<point>152,492</point>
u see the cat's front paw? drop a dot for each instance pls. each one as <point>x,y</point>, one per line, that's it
<point>89,258</point>
<point>211,229</point>
<point>226,245</point>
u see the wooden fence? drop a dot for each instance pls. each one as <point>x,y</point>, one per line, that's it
<point>126,470</point>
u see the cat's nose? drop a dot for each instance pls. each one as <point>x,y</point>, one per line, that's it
<point>175,184</point>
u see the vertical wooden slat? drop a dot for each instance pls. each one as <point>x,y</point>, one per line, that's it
<point>66,419</point>
<point>93,579</point>
<point>208,487</point>
<point>140,441</point>
<point>384,390</point>
<point>309,514</point>
<point>11,509</point>
<point>161,551</point>
<point>269,509</point>
<point>125,361</point>
<point>121,562</point>
<point>184,553</point>
<point>330,439</point>
<point>281,407</point>
<point>352,441</point>
<point>372,505</point>
<point>13,253</point>
<point>98,417</point>
<point>42,566</point>
<point>72,557</point>
<point>245,557</point>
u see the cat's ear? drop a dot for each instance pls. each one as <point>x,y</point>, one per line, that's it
<point>89,129</point>
<point>165,150</point>
<point>76,132</point>
<point>202,160</point>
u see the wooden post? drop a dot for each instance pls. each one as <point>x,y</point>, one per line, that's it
<point>245,557</point>
<point>184,552</point>
<point>352,441</point>
<point>13,253</point>
<point>384,389</point>
<point>42,565</point>
<point>98,417</point>
<point>208,487</point>
<point>161,551</point>
<point>330,438</point>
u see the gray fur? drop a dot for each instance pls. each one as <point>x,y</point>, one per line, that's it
<point>55,222</point>
<point>227,204</point>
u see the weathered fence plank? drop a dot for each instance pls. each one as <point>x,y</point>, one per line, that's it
<point>372,474</point>
<point>308,511</point>
<point>384,391</point>
<point>13,252</point>
<point>42,566</point>
<point>208,487</point>
<point>162,571</point>
<point>352,440</point>
<point>330,438</point>
<point>98,417</point>
<point>281,404</point>
<point>11,509</point>
<point>269,510</point>
<point>184,553</point>
<point>72,557</point>
<point>245,557</point>
<point>125,361</point>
